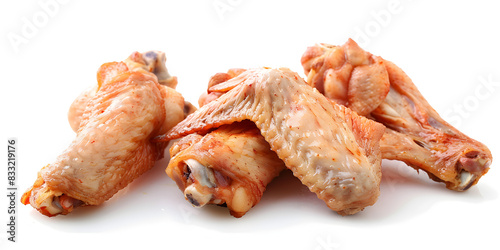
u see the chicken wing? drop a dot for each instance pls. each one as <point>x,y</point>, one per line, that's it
<point>332,150</point>
<point>112,145</point>
<point>230,166</point>
<point>415,134</point>
<point>151,61</point>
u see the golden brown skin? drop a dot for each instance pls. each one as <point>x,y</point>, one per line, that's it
<point>233,166</point>
<point>332,150</point>
<point>112,145</point>
<point>415,133</point>
<point>229,166</point>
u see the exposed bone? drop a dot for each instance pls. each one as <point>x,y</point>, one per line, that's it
<point>466,180</point>
<point>196,197</point>
<point>200,175</point>
<point>204,175</point>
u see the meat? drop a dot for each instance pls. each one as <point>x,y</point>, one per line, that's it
<point>112,145</point>
<point>151,61</point>
<point>230,166</point>
<point>415,133</point>
<point>332,150</point>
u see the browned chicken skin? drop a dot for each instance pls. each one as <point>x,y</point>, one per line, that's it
<point>112,145</point>
<point>332,150</point>
<point>415,134</point>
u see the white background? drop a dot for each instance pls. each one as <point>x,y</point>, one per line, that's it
<point>50,54</point>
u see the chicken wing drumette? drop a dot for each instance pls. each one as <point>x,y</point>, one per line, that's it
<point>112,145</point>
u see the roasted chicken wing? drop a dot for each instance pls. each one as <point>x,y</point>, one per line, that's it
<point>415,134</point>
<point>332,150</point>
<point>112,145</point>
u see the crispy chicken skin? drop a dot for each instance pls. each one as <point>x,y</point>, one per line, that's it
<point>332,150</point>
<point>229,166</point>
<point>415,134</point>
<point>112,145</point>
